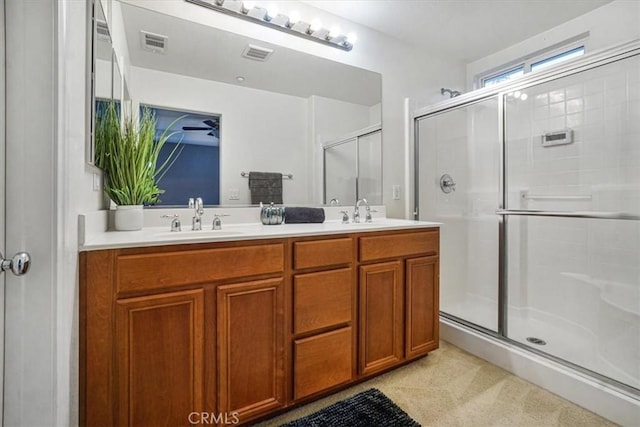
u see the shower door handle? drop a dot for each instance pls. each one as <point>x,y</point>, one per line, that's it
<point>575,214</point>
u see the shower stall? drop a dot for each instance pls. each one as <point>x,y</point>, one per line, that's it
<point>537,185</point>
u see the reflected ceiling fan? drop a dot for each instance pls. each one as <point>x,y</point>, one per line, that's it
<point>212,127</point>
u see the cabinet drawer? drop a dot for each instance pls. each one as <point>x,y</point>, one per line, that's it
<point>399,245</point>
<point>322,253</point>
<point>322,299</point>
<point>322,361</point>
<point>156,271</point>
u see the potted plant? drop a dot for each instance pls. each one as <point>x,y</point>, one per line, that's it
<point>127,152</point>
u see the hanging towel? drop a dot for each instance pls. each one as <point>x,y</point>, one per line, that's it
<point>265,187</point>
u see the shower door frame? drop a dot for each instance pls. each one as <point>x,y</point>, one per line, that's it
<point>590,61</point>
<point>345,139</point>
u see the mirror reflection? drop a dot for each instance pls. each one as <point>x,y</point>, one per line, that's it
<point>276,108</point>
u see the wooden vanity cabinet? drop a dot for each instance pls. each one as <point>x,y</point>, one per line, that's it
<point>398,298</point>
<point>170,331</point>
<point>324,307</point>
<point>241,330</point>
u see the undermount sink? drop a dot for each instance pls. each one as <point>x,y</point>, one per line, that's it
<point>204,234</point>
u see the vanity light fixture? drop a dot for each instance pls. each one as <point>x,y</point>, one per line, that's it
<point>290,24</point>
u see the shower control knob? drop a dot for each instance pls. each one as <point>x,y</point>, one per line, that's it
<point>446,184</point>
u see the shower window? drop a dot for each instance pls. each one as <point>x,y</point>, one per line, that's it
<point>532,63</point>
<point>503,77</point>
<point>556,59</point>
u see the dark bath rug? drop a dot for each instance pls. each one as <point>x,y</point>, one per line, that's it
<point>370,408</point>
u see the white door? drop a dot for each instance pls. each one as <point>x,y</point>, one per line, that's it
<point>28,217</point>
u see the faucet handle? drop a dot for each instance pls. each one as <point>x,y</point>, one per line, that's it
<point>175,222</point>
<point>217,222</point>
<point>345,217</point>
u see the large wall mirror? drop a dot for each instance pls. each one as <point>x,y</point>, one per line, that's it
<point>271,114</point>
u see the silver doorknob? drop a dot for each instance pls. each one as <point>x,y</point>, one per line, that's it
<point>18,265</point>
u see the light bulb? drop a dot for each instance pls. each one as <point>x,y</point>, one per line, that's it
<point>516,94</point>
<point>272,11</point>
<point>294,17</point>
<point>335,32</point>
<point>248,5</point>
<point>352,38</point>
<point>316,24</point>
<point>524,96</point>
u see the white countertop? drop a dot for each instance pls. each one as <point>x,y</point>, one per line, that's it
<point>158,236</point>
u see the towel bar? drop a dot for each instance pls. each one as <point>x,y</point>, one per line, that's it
<point>284,175</point>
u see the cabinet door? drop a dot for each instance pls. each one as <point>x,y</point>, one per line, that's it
<point>422,314</point>
<point>250,329</point>
<point>159,342</point>
<point>381,319</point>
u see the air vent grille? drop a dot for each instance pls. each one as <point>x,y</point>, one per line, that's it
<point>102,30</point>
<point>257,53</point>
<point>154,42</point>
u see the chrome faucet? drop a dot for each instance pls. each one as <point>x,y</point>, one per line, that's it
<point>356,211</point>
<point>198,211</point>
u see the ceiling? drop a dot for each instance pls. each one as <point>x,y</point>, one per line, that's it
<point>459,30</point>
<point>205,52</point>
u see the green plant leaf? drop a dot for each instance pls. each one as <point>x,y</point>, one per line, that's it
<point>127,152</point>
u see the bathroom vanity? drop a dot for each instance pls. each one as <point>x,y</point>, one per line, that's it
<point>243,324</point>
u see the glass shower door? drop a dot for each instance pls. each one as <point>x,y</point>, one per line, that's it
<point>572,233</point>
<point>340,172</point>
<point>370,167</point>
<point>459,185</point>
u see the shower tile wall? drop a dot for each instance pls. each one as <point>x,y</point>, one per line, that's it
<point>582,276</point>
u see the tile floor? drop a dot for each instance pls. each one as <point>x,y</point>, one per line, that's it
<point>451,387</point>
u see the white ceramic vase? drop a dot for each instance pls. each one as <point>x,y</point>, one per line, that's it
<point>129,217</point>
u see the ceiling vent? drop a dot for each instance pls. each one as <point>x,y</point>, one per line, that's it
<point>256,52</point>
<point>102,30</point>
<point>155,43</point>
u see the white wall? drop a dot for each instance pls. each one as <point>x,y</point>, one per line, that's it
<point>269,125</point>
<point>407,72</point>
<point>613,23</point>
<point>74,195</point>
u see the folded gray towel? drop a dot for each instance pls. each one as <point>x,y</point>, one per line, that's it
<point>303,215</point>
